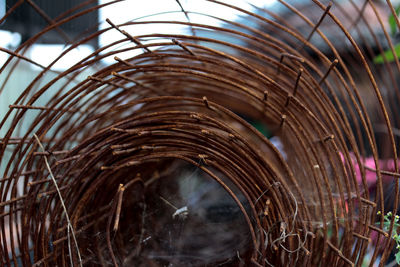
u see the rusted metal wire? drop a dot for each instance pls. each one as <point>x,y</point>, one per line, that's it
<point>157,157</point>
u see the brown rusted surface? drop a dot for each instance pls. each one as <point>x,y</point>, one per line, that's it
<point>146,152</point>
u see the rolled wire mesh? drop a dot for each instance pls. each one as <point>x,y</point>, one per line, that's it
<point>160,157</point>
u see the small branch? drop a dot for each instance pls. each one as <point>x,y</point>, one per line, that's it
<point>70,228</point>
<point>121,190</point>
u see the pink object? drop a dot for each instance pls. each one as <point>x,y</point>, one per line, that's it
<point>370,175</point>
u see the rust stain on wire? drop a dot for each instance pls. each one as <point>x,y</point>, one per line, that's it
<point>117,137</point>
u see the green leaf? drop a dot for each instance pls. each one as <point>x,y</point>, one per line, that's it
<point>388,55</point>
<point>260,126</point>
<point>392,21</point>
<point>398,257</point>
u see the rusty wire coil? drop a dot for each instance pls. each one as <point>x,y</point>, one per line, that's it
<point>155,160</point>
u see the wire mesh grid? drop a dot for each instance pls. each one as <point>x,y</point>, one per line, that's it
<point>268,140</point>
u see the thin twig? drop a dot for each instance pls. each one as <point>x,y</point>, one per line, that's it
<point>121,190</point>
<point>169,203</point>
<point>70,227</point>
